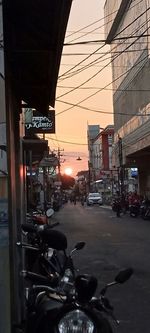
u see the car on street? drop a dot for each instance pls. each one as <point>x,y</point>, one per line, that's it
<point>94,198</point>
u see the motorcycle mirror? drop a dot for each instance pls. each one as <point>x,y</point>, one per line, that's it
<point>50,212</point>
<point>121,277</point>
<point>79,246</point>
<point>124,275</point>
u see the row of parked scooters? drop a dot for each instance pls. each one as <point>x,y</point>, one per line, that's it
<point>57,297</point>
<point>136,208</point>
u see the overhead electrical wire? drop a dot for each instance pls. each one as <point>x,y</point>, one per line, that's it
<point>110,89</point>
<point>87,26</point>
<point>115,38</point>
<point>72,73</point>
<point>94,75</point>
<point>145,11</point>
<point>85,58</point>
<point>97,65</point>
<point>94,61</point>
<point>100,47</point>
<point>90,109</point>
<point>88,42</point>
<point>101,19</point>
<point>68,142</point>
<point>103,55</point>
<point>88,33</point>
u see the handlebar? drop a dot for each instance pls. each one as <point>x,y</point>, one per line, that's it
<point>38,278</point>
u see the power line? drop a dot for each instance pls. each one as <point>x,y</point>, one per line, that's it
<point>86,66</point>
<point>95,61</point>
<point>110,89</point>
<point>89,25</point>
<point>85,53</point>
<point>89,109</point>
<point>81,61</point>
<point>68,142</point>
<point>100,111</point>
<point>145,11</point>
<point>87,33</point>
<point>95,65</point>
<point>95,75</point>
<point>105,40</point>
<point>97,21</point>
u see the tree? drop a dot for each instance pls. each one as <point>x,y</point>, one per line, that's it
<point>67,182</point>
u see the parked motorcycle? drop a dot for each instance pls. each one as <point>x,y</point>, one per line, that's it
<point>61,300</point>
<point>38,217</point>
<point>44,249</point>
<point>134,209</point>
<point>76,310</point>
<point>45,252</point>
<point>145,209</point>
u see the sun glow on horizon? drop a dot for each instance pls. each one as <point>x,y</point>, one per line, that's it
<point>68,171</point>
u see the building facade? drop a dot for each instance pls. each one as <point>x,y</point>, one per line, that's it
<point>100,157</point>
<point>93,150</point>
<point>127,32</point>
<point>3,150</point>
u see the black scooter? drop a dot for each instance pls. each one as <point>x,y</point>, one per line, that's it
<point>75,310</point>
<point>134,209</point>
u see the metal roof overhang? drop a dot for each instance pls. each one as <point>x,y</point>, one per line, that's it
<point>36,146</point>
<point>34,33</point>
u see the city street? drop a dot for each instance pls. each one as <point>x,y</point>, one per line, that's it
<point>113,244</point>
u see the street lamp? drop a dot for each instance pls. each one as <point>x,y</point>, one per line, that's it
<point>78,158</point>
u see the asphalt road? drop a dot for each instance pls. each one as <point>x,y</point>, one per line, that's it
<point>113,244</point>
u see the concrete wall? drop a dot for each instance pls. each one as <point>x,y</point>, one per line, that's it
<point>5,318</point>
<point>3,155</point>
<point>131,84</point>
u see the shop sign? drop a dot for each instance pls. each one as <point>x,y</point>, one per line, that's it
<point>41,124</point>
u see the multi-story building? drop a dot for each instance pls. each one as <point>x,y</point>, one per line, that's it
<point>100,154</point>
<point>106,143</point>
<point>94,150</point>
<point>127,32</point>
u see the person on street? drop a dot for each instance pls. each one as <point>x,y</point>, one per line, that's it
<point>118,204</point>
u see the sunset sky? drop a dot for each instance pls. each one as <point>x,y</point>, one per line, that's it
<point>71,125</point>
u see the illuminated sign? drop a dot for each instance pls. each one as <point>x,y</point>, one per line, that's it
<point>134,172</point>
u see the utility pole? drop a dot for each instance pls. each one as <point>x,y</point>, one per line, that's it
<point>59,155</point>
<point>121,168</point>
<point>89,176</point>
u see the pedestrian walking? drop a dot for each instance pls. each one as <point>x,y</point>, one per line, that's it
<point>118,204</point>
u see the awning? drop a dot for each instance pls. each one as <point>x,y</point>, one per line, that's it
<point>35,149</point>
<point>34,33</point>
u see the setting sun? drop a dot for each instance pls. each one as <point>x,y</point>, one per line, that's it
<point>68,171</point>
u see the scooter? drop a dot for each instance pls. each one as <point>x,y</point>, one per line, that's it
<point>134,209</point>
<point>37,216</point>
<point>75,310</point>
<point>145,209</point>
<point>45,253</point>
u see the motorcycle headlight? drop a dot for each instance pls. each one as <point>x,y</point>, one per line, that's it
<point>76,321</point>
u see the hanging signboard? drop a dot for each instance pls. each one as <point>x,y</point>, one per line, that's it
<point>41,124</point>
